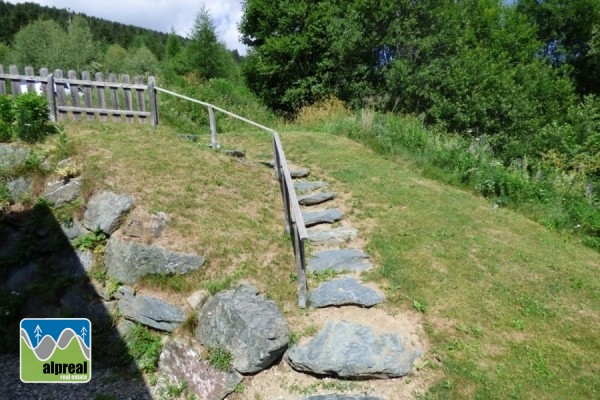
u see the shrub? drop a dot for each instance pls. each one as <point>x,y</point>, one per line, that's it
<point>31,112</point>
<point>7,118</point>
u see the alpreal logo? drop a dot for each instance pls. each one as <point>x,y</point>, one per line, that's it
<point>56,350</point>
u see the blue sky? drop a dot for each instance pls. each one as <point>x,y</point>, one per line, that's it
<point>160,15</point>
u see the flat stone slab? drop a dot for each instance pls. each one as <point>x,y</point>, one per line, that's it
<point>332,236</point>
<point>315,198</point>
<point>128,261</point>
<point>106,211</point>
<point>341,397</point>
<point>344,291</point>
<point>308,186</point>
<point>347,350</point>
<point>339,260</point>
<point>322,217</point>
<point>205,381</point>
<point>299,173</point>
<point>152,312</point>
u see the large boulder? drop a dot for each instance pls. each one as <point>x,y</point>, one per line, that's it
<point>106,211</point>
<point>245,324</point>
<point>18,188</point>
<point>151,311</point>
<point>352,351</point>
<point>205,381</point>
<point>129,261</point>
<point>12,156</point>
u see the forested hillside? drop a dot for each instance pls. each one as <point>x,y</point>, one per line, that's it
<point>14,17</point>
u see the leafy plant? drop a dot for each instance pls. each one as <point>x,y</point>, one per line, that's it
<point>31,112</point>
<point>219,358</point>
<point>144,346</point>
<point>90,240</point>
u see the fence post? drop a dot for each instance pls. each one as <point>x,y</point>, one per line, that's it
<point>153,101</point>
<point>300,269</point>
<point>213,128</point>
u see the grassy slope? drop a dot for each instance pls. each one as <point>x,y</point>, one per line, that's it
<point>511,309</point>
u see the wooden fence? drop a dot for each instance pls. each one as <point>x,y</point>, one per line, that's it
<point>70,97</point>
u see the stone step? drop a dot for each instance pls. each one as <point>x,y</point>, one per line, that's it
<point>352,351</point>
<point>331,236</point>
<point>339,260</point>
<point>342,292</point>
<point>315,198</point>
<point>299,173</point>
<point>322,217</point>
<point>309,186</point>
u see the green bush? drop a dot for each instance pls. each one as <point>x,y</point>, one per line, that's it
<point>31,112</point>
<point>7,118</point>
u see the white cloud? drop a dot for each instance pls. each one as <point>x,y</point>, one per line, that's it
<point>161,15</point>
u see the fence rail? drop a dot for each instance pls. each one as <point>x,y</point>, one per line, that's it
<point>294,220</point>
<point>73,98</point>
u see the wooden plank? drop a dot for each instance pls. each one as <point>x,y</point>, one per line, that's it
<point>101,97</point>
<point>51,96</point>
<point>116,84</point>
<point>128,102</point>
<point>30,83</point>
<point>141,103</point>
<point>87,96</point>
<point>114,96</point>
<point>2,81</point>
<point>153,101</point>
<point>74,96</point>
<point>43,84</point>
<point>301,282</point>
<point>18,77</point>
<point>60,96</point>
<point>116,113</point>
<point>15,83</point>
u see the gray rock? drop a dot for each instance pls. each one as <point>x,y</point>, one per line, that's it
<point>299,173</point>
<point>198,298</point>
<point>315,198</point>
<point>124,292</point>
<point>75,263</point>
<point>322,217</point>
<point>308,186</point>
<point>347,350</point>
<point>152,312</point>
<point>332,236</point>
<point>73,229</point>
<point>106,211</point>
<point>12,156</point>
<point>63,192</point>
<point>190,137</point>
<point>18,188</point>
<point>83,304</point>
<point>235,153</point>
<point>341,397</point>
<point>247,325</point>
<point>129,261</point>
<point>344,291</point>
<point>339,260</point>
<point>142,224</point>
<point>183,362</point>
<point>18,278</point>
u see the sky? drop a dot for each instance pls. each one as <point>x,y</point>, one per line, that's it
<point>161,15</point>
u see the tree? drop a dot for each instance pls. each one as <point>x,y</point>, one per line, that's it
<point>114,59</point>
<point>142,62</point>
<point>79,49</point>
<point>39,45</point>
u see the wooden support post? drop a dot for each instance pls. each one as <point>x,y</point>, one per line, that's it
<point>153,101</point>
<point>213,128</point>
<point>102,98</point>
<point>300,268</point>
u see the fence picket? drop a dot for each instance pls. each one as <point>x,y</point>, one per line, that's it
<point>74,95</point>
<point>30,83</point>
<point>2,82</point>
<point>128,105</point>
<point>102,97</point>
<point>15,83</point>
<point>60,95</point>
<point>114,97</point>
<point>141,104</point>
<point>87,95</point>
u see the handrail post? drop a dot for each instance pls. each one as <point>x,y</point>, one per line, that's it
<point>213,128</point>
<point>153,102</point>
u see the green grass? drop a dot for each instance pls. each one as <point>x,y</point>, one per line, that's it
<point>510,309</point>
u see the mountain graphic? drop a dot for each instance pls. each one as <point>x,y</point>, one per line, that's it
<point>46,347</point>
